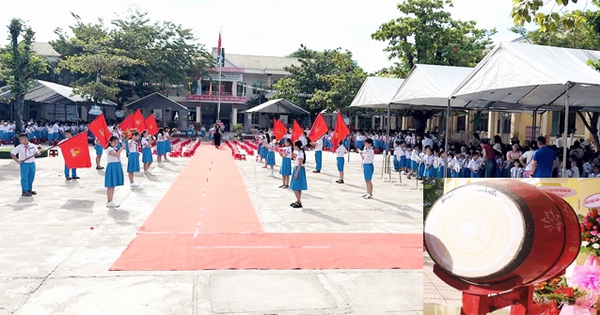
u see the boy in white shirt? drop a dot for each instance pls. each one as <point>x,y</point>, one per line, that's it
<point>398,154</point>
<point>340,153</point>
<point>24,154</point>
<point>475,165</point>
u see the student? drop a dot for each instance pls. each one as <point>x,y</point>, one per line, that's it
<point>286,164</point>
<point>260,151</point>
<point>318,155</point>
<point>167,142</point>
<point>298,182</point>
<point>428,162</point>
<point>160,146</point>
<point>271,156</point>
<point>441,166</point>
<point>475,165</point>
<point>398,154</point>
<point>414,160</point>
<point>133,160</point>
<point>24,154</point>
<point>340,152</point>
<point>368,155</point>
<point>73,171</point>
<point>116,133</point>
<point>265,150</point>
<point>516,171</point>
<point>146,152</point>
<point>99,149</point>
<point>114,171</point>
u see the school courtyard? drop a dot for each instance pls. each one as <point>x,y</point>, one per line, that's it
<point>210,235</point>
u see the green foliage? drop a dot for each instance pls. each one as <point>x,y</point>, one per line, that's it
<point>433,189</point>
<point>528,11</point>
<point>425,33</point>
<point>238,128</point>
<point>19,65</point>
<point>330,76</point>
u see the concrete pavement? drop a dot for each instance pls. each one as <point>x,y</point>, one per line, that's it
<point>56,247</point>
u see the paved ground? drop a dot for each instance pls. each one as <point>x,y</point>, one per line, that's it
<point>56,247</point>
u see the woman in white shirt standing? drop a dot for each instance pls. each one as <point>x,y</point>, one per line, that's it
<point>340,153</point>
<point>298,182</point>
<point>368,155</point>
<point>114,171</point>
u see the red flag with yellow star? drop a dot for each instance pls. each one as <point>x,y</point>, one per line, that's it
<point>296,131</point>
<point>341,131</point>
<point>151,125</point>
<point>75,151</point>
<point>138,121</point>
<point>318,129</point>
<point>100,130</point>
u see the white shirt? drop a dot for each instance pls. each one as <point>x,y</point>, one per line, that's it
<point>287,153</point>
<point>319,145</point>
<point>528,157</point>
<point>145,143</point>
<point>299,157</point>
<point>516,172</point>
<point>368,156</point>
<point>474,165</point>
<point>592,175</point>
<point>303,140</point>
<point>427,142</point>
<point>110,158</point>
<point>160,138</point>
<point>133,146</point>
<point>271,146</point>
<point>398,152</point>
<point>341,151</point>
<point>455,164</point>
<point>24,152</point>
<point>414,156</point>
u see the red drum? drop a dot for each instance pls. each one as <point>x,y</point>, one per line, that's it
<point>488,232</point>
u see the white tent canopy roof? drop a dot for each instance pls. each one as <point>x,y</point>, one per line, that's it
<point>376,92</point>
<point>53,93</point>
<point>429,87</point>
<point>531,77</point>
<point>278,106</point>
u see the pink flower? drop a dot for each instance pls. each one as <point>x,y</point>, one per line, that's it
<point>587,277</point>
<point>594,232</point>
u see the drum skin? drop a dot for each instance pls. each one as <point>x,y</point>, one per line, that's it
<point>489,232</point>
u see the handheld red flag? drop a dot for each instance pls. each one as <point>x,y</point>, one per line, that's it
<point>100,130</point>
<point>219,46</point>
<point>341,131</point>
<point>151,125</point>
<point>127,124</point>
<point>296,131</point>
<point>318,129</point>
<point>76,152</point>
<point>138,121</point>
<point>279,129</point>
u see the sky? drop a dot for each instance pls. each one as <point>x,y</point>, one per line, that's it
<point>260,27</point>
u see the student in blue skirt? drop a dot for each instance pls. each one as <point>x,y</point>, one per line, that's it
<point>340,152</point>
<point>271,156</point>
<point>160,146</point>
<point>133,160</point>
<point>368,155</point>
<point>298,183</point>
<point>114,171</point>
<point>265,151</point>
<point>99,149</point>
<point>146,152</point>
<point>72,171</point>
<point>286,164</point>
<point>167,142</point>
<point>318,155</point>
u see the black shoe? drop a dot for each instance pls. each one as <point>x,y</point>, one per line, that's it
<point>76,177</point>
<point>99,167</point>
<point>315,171</point>
<point>293,203</point>
<point>282,186</point>
<point>33,192</point>
<point>339,181</point>
<point>297,205</point>
<point>26,194</point>
<point>286,186</point>
<point>68,178</point>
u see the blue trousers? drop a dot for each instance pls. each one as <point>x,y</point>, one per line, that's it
<point>73,172</point>
<point>319,159</point>
<point>27,176</point>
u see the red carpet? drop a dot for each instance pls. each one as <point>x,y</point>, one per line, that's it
<point>206,221</point>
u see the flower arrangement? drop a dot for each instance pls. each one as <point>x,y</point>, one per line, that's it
<point>556,290</point>
<point>590,233</point>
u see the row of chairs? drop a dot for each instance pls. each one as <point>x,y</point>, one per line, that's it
<point>235,150</point>
<point>177,147</point>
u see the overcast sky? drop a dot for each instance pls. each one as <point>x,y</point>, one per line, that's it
<point>261,27</point>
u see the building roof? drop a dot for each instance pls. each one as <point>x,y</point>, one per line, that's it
<point>44,49</point>
<point>156,101</point>
<point>261,62</point>
<point>52,93</point>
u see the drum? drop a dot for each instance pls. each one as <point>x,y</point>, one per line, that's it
<point>488,232</point>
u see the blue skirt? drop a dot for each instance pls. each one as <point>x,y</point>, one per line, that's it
<point>146,155</point>
<point>300,183</point>
<point>160,148</point>
<point>414,165</point>
<point>168,145</point>
<point>113,176</point>
<point>202,134</point>
<point>286,167</point>
<point>133,162</point>
<point>360,145</point>
<point>340,164</point>
<point>270,158</point>
<point>403,162</point>
<point>119,146</point>
<point>427,172</point>
<point>98,149</point>
<point>265,152</point>
<point>368,171</point>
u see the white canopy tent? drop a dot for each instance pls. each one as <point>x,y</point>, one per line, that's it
<point>278,106</point>
<point>376,92</point>
<point>532,77</point>
<point>52,93</point>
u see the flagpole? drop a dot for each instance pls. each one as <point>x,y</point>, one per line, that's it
<point>220,66</point>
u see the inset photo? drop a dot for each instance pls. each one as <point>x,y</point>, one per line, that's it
<point>511,246</point>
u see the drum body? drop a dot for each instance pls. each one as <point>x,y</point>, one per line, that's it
<point>489,232</point>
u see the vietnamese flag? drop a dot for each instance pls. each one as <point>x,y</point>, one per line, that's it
<point>151,125</point>
<point>138,121</point>
<point>76,152</point>
<point>100,130</point>
<point>318,129</point>
<point>279,129</point>
<point>340,132</point>
<point>296,131</point>
<point>127,124</point>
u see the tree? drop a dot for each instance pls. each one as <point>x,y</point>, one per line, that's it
<point>426,33</point>
<point>324,80</point>
<point>577,29</point>
<point>19,66</point>
<point>91,52</point>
